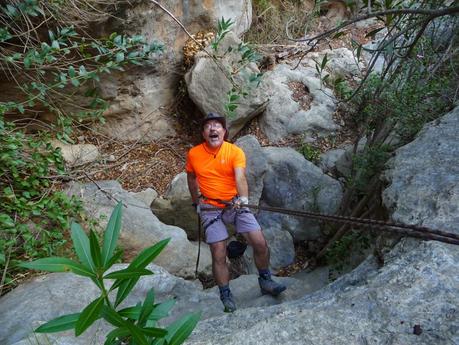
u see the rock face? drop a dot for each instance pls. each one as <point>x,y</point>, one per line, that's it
<point>431,195</point>
<point>412,299</point>
<point>142,229</point>
<point>293,182</point>
<point>208,86</point>
<point>297,104</point>
<point>140,96</point>
<point>47,297</point>
<point>77,154</point>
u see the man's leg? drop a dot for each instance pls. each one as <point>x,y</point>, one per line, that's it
<point>260,248</point>
<point>261,257</point>
<point>221,274</point>
<point>219,265</point>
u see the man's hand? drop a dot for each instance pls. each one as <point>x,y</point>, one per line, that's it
<point>241,200</point>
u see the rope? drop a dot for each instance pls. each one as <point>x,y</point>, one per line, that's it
<point>421,232</point>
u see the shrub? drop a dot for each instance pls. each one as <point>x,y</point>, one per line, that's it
<point>133,325</point>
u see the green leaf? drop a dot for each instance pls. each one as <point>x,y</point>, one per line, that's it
<point>162,310</point>
<point>112,316</point>
<point>72,73</point>
<point>114,259</point>
<point>57,264</point>
<point>181,329</point>
<point>324,61</point>
<point>128,273</point>
<point>125,287</point>
<point>89,314</point>
<point>372,33</point>
<point>147,308</point>
<point>137,334</point>
<point>82,247</point>
<point>155,332</point>
<point>59,324</point>
<point>111,235</point>
<point>119,57</point>
<point>95,249</point>
<point>149,254</point>
<point>116,333</point>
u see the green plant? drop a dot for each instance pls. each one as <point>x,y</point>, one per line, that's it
<point>48,51</point>
<point>133,325</point>
<point>310,152</point>
<point>243,80</point>
<point>338,255</point>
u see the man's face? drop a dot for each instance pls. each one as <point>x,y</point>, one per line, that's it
<point>213,133</point>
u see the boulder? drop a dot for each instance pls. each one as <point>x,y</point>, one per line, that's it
<point>424,176</point>
<point>78,154</point>
<point>46,297</point>
<point>139,98</point>
<point>307,112</point>
<point>293,182</point>
<point>141,228</point>
<point>256,166</point>
<point>175,208</point>
<point>328,159</point>
<point>208,86</point>
<point>147,195</point>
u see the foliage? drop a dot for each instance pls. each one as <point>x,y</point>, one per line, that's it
<point>133,325</point>
<point>338,255</point>
<point>52,67</point>
<point>33,212</point>
<point>49,52</point>
<point>310,152</point>
<point>242,79</point>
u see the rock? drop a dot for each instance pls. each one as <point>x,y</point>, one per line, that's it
<point>293,182</point>
<point>281,248</point>
<point>147,195</point>
<point>46,297</point>
<point>175,208</point>
<point>256,166</point>
<point>208,87</point>
<point>77,154</point>
<point>142,229</point>
<point>343,164</point>
<point>139,98</point>
<point>328,159</point>
<point>49,296</point>
<point>341,63</point>
<point>284,116</point>
<point>424,176</point>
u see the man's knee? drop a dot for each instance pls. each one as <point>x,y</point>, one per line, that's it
<point>218,251</point>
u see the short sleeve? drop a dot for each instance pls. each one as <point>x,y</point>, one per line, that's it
<point>188,165</point>
<point>239,158</point>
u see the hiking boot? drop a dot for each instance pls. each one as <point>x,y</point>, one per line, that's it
<point>228,301</point>
<point>270,287</point>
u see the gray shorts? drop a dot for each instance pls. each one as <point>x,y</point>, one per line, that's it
<point>214,223</point>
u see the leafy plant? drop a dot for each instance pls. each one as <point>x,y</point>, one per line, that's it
<point>242,79</point>
<point>134,325</point>
<point>310,152</point>
<point>56,68</point>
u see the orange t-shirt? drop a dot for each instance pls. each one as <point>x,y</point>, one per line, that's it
<point>214,170</point>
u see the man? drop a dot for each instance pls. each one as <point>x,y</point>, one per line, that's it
<point>216,168</point>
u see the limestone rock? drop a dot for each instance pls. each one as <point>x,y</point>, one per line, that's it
<point>175,208</point>
<point>147,195</point>
<point>142,229</point>
<point>293,182</point>
<point>284,116</point>
<point>208,86</point>
<point>424,176</point>
<point>256,166</point>
<point>77,154</point>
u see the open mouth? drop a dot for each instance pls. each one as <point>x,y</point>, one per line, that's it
<point>213,136</point>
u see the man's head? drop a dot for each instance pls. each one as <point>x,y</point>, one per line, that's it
<point>214,129</point>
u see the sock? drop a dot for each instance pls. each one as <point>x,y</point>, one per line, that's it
<point>224,289</point>
<point>264,273</point>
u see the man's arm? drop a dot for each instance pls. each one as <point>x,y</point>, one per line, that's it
<point>241,185</point>
<point>193,187</point>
